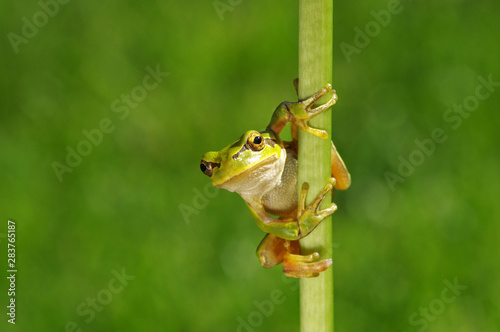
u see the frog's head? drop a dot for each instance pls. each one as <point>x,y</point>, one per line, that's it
<point>251,165</point>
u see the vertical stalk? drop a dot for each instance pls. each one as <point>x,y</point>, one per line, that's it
<point>315,70</point>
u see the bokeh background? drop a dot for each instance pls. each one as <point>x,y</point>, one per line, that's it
<point>137,205</point>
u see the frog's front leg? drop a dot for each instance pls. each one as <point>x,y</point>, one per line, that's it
<point>285,228</point>
<point>306,219</point>
<point>299,113</point>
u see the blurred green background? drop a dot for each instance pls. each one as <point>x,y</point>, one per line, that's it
<point>399,244</point>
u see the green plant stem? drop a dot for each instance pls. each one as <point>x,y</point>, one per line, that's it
<point>315,70</point>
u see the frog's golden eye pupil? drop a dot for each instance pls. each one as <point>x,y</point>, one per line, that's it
<point>257,140</point>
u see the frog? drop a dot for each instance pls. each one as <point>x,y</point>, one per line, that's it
<point>262,169</point>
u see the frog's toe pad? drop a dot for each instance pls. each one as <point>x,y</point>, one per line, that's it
<point>299,266</point>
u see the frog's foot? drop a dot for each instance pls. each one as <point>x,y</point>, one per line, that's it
<point>309,217</point>
<point>304,266</point>
<point>303,111</point>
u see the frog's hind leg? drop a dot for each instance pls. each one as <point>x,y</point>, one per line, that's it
<point>339,171</point>
<point>273,249</point>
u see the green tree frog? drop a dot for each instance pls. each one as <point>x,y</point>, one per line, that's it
<point>263,170</point>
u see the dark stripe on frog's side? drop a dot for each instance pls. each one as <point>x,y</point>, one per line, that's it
<point>244,148</point>
<point>269,141</point>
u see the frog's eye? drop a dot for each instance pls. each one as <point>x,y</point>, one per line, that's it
<point>255,141</point>
<point>207,167</point>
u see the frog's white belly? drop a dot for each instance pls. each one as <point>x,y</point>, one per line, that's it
<point>282,199</point>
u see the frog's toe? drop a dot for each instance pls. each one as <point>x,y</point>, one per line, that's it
<point>300,266</point>
<point>320,109</point>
